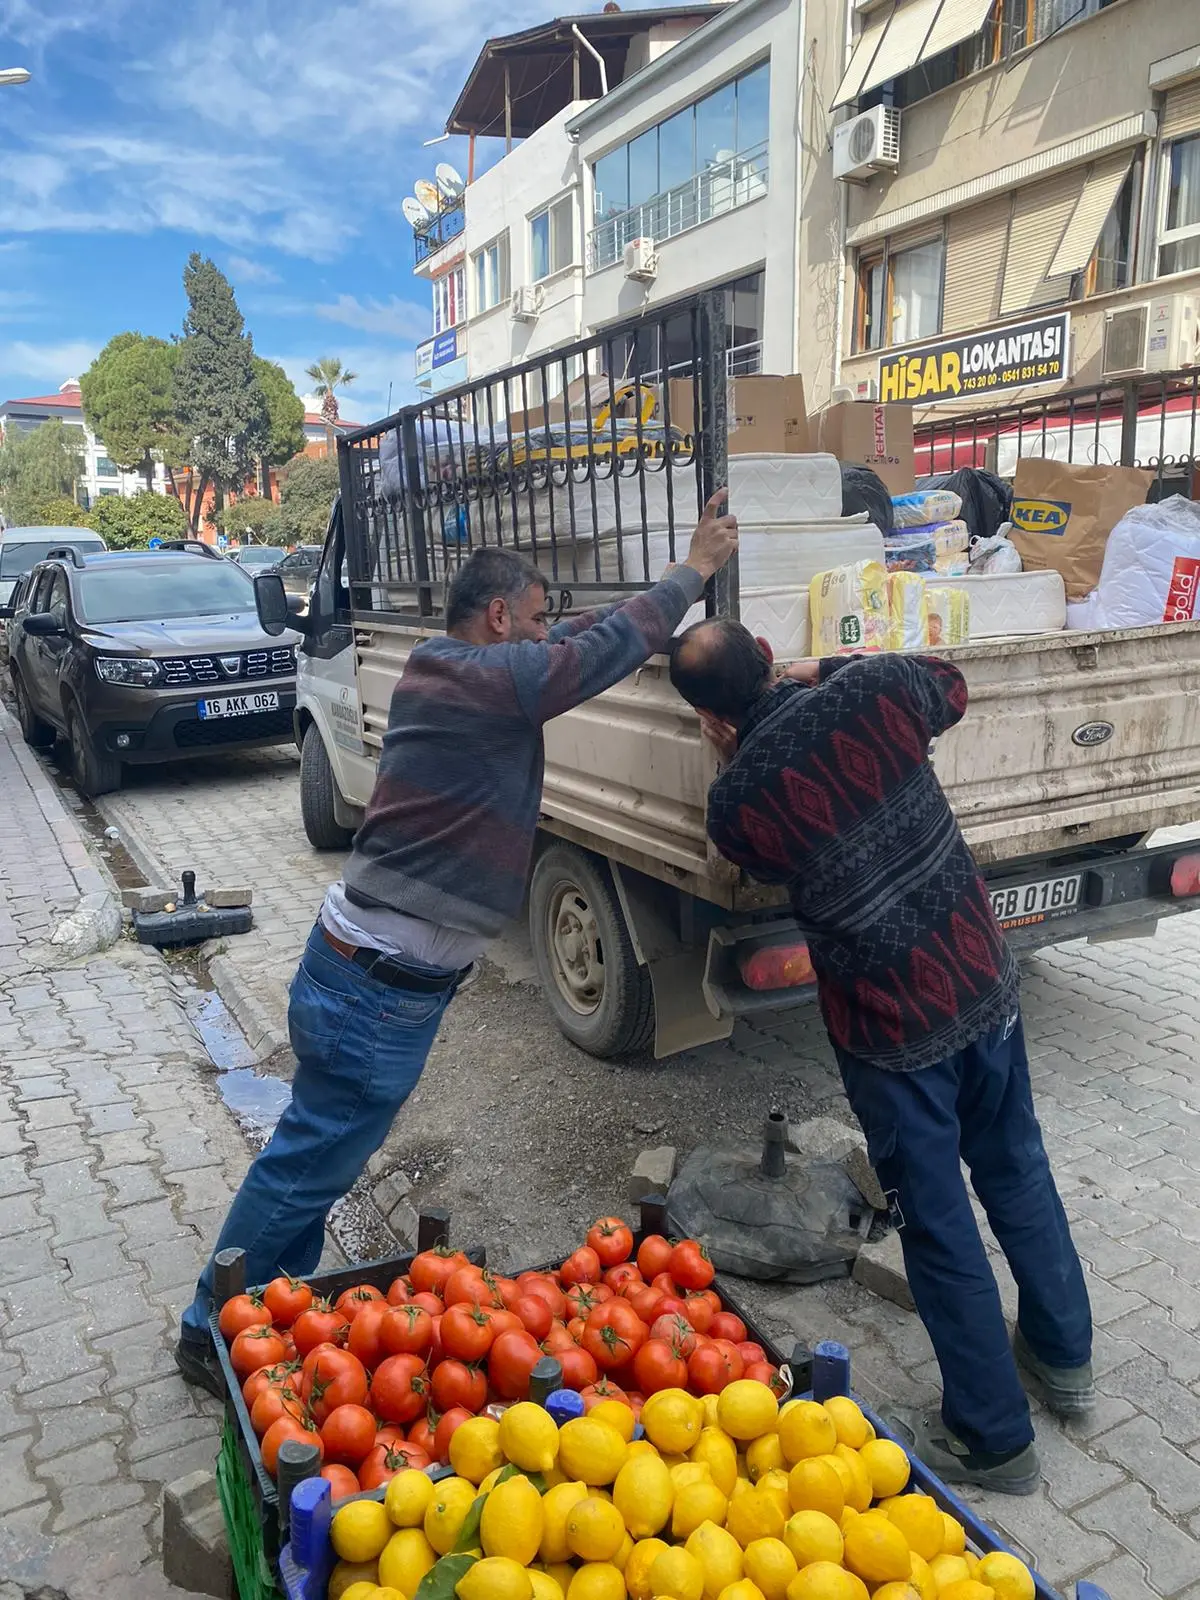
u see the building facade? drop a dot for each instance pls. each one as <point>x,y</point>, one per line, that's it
<point>100,476</point>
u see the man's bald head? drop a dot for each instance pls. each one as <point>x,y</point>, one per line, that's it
<point>718,665</point>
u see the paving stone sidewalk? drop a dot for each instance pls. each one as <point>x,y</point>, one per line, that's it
<point>116,1164</point>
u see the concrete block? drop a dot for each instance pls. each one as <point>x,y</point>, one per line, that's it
<point>148,899</point>
<point>95,924</point>
<point>195,1554</point>
<point>222,898</point>
<point>390,1191</point>
<point>880,1268</point>
<point>652,1172</point>
<point>826,1139</point>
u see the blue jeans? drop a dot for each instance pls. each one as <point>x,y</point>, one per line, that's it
<point>360,1047</point>
<point>976,1105</point>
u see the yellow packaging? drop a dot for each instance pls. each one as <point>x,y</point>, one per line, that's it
<point>849,608</point>
<point>949,612</point>
<point>908,619</point>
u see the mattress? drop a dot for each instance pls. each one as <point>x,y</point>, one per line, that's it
<point>780,616</point>
<point>783,556</point>
<point>1004,604</point>
<point>784,488</point>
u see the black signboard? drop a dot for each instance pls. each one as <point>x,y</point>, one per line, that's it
<point>979,363</point>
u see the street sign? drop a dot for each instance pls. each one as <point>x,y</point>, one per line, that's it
<point>153,544</point>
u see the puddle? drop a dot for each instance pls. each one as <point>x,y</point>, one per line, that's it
<point>256,1100</point>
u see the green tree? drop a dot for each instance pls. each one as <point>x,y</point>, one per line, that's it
<point>254,518</point>
<point>129,403</point>
<point>285,416</point>
<point>328,376</point>
<point>59,511</point>
<point>218,395</point>
<point>36,466</point>
<point>130,524</point>
<point>310,486</point>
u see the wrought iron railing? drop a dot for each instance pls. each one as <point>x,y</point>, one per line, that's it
<point>448,224</point>
<point>722,187</point>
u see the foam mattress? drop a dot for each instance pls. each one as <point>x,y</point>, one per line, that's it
<point>1004,604</point>
<point>784,488</point>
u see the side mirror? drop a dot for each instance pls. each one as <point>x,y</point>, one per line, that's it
<point>43,625</point>
<point>7,609</point>
<point>297,606</point>
<point>271,601</point>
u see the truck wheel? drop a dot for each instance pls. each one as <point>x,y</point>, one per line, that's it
<point>321,825</point>
<point>92,772</point>
<point>601,996</point>
<point>34,731</point>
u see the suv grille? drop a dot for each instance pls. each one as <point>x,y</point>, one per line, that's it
<point>278,663</point>
<point>191,733</point>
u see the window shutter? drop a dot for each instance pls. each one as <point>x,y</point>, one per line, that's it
<point>902,44</point>
<point>1181,114</point>
<point>1099,195</point>
<point>864,52</point>
<point>956,21</point>
<point>975,245</point>
<point>1040,216</point>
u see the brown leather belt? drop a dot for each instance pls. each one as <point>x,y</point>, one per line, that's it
<point>390,970</point>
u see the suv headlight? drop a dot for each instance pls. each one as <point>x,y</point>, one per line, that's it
<point>140,671</point>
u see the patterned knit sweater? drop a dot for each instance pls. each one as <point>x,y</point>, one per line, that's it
<point>831,794</point>
<point>449,830</point>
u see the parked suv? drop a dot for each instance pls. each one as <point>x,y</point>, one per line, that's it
<point>146,656</point>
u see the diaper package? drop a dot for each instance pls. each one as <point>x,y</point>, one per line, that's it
<point>925,506</point>
<point>849,607</point>
<point>908,620</point>
<point>948,613</point>
<point>937,547</point>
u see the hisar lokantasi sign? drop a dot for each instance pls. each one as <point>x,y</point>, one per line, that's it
<point>974,364</point>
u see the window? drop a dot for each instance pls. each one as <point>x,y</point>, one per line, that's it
<point>900,295</point>
<point>872,329</point>
<point>106,468</point>
<point>165,587</point>
<point>1179,241</point>
<point>667,348</point>
<point>552,238</point>
<point>1112,261</point>
<point>104,493</point>
<point>490,272</point>
<point>56,599</point>
<point>449,300</point>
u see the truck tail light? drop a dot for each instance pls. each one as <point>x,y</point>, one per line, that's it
<point>1185,877</point>
<point>782,966</point>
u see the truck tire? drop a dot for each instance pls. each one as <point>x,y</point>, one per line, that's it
<point>321,825</point>
<point>92,772</point>
<point>37,734</point>
<point>600,994</point>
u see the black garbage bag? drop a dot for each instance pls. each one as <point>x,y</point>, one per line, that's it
<point>986,499</point>
<point>864,490</point>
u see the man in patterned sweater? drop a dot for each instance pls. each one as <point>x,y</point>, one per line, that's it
<point>437,868</point>
<point>827,789</point>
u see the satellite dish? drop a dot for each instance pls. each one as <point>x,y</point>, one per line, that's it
<point>448,181</point>
<point>427,194</point>
<point>414,211</point>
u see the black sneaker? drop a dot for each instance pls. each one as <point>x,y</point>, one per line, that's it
<point>928,1438</point>
<point>1067,1391</point>
<point>198,1364</point>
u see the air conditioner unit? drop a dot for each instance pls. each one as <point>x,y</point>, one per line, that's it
<point>1153,336</point>
<point>867,144</point>
<point>526,303</point>
<point>641,261</point>
<point>866,389</point>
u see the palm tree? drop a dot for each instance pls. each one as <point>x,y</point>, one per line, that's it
<point>329,375</point>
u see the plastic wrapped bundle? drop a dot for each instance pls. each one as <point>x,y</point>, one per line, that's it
<point>986,499</point>
<point>948,612</point>
<point>908,619</point>
<point>1151,571</point>
<point>925,506</point>
<point>849,608</point>
<point>864,490</point>
<point>938,547</point>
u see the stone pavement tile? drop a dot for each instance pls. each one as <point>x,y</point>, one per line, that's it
<point>68,1180</point>
<point>1124,1579</point>
<point>66,1143</point>
<point>53,1353</point>
<point>200,1190</point>
<point>63,1430</point>
<point>1165,1288</point>
<point>19,1213</point>
<point>1146,1383</point>
<point>27,1255</point>
<point>1153,1329</point>
<point>138,1355</point>
<point>171,1262</point>
<point>132,1184</point>
<point>74,1221</point>
<point>158,1441</point>
<point>95,1261</point>
<point>93,1502</point>
<point>35,1302</point>
<point>1072,1475</point>
<point>1050,1540</point>
<point>1111,1300</point>
<point>1171,1557</point>
<point>112,1304</point>
<point>14,1176</point>
<point>52,1113</point>
<point>1172,1477</point>
<point>19,1488</point>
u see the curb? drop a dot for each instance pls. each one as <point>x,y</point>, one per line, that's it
<point>249,1011</point>
<point>89,877</point>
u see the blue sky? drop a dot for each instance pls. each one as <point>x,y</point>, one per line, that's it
<point>279,138</point>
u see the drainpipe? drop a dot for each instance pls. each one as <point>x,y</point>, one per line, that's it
<point>844,223</point>
<point>592,51</point>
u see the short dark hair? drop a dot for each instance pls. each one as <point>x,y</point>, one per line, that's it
<point>488,574</point>
<point>718,665</point>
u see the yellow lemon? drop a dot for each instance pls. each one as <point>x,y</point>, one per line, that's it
<point>617,1414</point>
<point>529,1437</point>
<point>859,1494</point>
<point>774,1486</point>
<point>848,1420</point>
<point>447,1511</point>
<point>475,1449</point>
<point>594,1529</point>
<point>743,1589</point>
<point>495,1578</point>
<point>954,1538</point>
<point>717,1451</point>
<point>360,1530</point>
<point>676,1573</point>
<point>763,1455</point>
<point>685,1472</point>
<point>673,1419</point>
<point>696,1503</point>
<point>972,1564</point>
<point>897,1590</point>
<point>824,1580</point>
<point>492,1479</point>
<point>346,1574</point>
<point>753,1514</point>
<point>556,1506</point>
<point>640,1447</point>
<point>747,1409</point>
<point>967,1589</point>
<point>407,1499</point>
<point>621,1559</point>
<point>887,1467</point>
<point>812,1536</point>
<point>511,1524</point>
<point>644,1494</point>
<point>719,1555</point>
<point>771,1565</point>
<point>597,1580</point>
<point>920,1521</point>
<point>922,1579</point>
<point>815,1486</point>
<point>805,1429</point>
<point>1009,1577</point>
<point>876,1549</point>
<point>637,1568</point>
<point>947,1570</point>
<point>387,1593</point>
<point>711,1404</point>
<point>845,1477</point>
<point>407,1557</point>
<point>562,1572</point>
<point>588,1450</point>
<point>546,1587</point>
<point>360,1591</point>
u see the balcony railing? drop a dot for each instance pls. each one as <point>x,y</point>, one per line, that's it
<point>722,187</point>
<point>432,235</point>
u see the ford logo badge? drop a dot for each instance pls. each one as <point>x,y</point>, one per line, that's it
<point>1092,733</point>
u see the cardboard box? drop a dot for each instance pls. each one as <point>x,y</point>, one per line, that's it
<point>768,414</point>
<point>872,435</point>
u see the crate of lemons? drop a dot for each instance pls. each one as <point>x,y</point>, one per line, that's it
<point>729,1497</point>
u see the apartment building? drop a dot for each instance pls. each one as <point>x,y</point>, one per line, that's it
<point>100,475</point>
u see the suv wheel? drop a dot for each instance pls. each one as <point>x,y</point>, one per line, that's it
<point>34,731</point>
<point>92,772</point>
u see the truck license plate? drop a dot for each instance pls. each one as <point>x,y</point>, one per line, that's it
<point>239,705</point>
<point>1026,904</point>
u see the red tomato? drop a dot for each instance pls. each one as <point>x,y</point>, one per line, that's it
<point>535,1314</point>
<point>342,1482</point>
<point>406,1331</point>
<point>537,1283</point>
<point>348,1435</point>
<point>320,1324</point>
<point>469,1286</point>
<point>285,1298</point>
<point>442,1434</point>
<point>690,1266</point>
<point>612,1240</point>
<point>432,1268</point>
<point>712,1367</point>
<point>400,1292</point>
<point>625,1272</point>
<point>467,1332</point>
<point>399,1388</point>
<point>602,1389</point>
<point>764,1372</point>
<point>513,1357</point>
<point>673,1306</point>
<point>583,1266</point>
<point>726,1326</point>
<point>391,1433</point>
<point>559,1338</point>
<point>654,1255</point>
<point>261,1378</point>
<point>428,1302</point>
<point>286,1428</point>
<point>503,1321</point>
<point>272,1404</point>
<point>583,1298</point>
<point>256,1346</point>
<point>750,1352</point>
<point>421,1434</point>
<point>332,1377</point>
<point>579,1369</point>
<point>646,1301</point>
<point>699,1312</point>
<point>386,1460</point>
<point>351,1302</point>
<point>575,1328</point>
<point>437,1351</point>
<point>456,1386</point>
<point>657,1366</point>
<point>365,1335</point>
<point>678,1332</point>
<point>242,1311</point>
<point>613,1334</point>
<point>507,1289</point>
<point>664,1283</point>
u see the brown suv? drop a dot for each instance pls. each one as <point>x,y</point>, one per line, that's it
<point>143,656</point>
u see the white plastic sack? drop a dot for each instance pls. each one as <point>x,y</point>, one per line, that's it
<point>1151,570</point>
<point>997,554</point>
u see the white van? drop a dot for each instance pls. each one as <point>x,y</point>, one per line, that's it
<point>23,548</point>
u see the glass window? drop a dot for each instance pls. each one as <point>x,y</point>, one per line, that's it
<point>18,556</point>
<point>552,238</point>
<point>491,275</point>
<point>449,300</point>
<point>753,89</point>
<point>106,468</point>
<point>916,291</point>
<point>611,175</point>
<point>1180,241</point>
<point>56,599</point>
<point>168,586</point>
<point>1111,263</point>
<point>872,325</point>
<point>716,126</point>
<point>677,148</point>
<point>744,312</point>
<point>643,167</point>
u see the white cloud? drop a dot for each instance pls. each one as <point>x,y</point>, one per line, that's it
<point>379,369</point>
<point>399,318</point>
<point>252,271</point>
<point>50,363</point>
